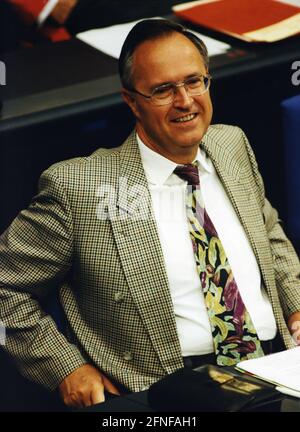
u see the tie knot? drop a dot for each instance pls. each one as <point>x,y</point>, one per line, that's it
<point>188,172</point>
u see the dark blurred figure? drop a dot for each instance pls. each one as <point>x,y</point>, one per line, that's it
<point>11,28</point>
<point>29,22</point>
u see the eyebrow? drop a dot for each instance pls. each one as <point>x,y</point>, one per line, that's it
<point>172,82</point>
<point>155,86</point>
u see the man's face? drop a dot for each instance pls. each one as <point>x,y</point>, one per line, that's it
<point>155,62</point>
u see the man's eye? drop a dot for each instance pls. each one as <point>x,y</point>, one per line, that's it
<point>162,91</point>
<point>194,82</point>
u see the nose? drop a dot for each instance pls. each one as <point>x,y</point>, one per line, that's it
<point>181,98</point>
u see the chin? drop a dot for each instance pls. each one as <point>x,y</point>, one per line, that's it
<point>191,142</point>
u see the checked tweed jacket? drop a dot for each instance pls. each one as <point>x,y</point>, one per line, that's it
<point>110,270</point>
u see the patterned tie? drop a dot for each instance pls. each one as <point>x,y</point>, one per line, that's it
<point>235,338</point>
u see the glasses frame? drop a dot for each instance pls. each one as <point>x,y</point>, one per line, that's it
<point>175,85</point>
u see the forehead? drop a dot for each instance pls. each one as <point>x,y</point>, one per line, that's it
<point>167,58</point>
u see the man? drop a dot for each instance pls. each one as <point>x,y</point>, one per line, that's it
<point>39,20</point>
<point>111,233</point>
<point>59,19</point>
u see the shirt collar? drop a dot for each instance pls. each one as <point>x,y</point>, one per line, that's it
<point>158,168</point>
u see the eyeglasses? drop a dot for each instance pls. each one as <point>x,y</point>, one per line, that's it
<point>165,94</point>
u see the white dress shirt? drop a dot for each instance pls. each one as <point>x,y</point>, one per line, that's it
<point>168,199</point>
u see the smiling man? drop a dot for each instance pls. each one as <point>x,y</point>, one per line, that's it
<point>208,276</point>
<point>171,125</point>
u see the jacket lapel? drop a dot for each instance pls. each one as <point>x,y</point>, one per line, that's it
<point>236,183</point>
<point>136,237</point>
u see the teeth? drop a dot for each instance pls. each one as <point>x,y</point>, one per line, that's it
<point>186,118</point>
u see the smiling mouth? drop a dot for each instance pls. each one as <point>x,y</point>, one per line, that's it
<point>184,119</point>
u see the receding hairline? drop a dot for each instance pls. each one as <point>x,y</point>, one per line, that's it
<point>164,36</point>
<point>149,30</point>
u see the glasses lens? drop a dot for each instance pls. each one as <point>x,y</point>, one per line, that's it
<point>163,94</point>
<point>197,85</point>
<point>206,80</point>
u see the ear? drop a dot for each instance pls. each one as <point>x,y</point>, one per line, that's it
<point>130,100</point>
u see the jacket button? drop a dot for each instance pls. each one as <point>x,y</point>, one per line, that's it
<point>119,297</point>
<point>127,356</point>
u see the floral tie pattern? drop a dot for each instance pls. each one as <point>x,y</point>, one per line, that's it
<point>235,338</point>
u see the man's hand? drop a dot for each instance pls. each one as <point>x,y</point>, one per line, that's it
<point>294,326</point>
<point>62,10</point>
<point>85,386</point>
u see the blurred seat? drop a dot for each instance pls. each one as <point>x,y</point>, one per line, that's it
<point>291,158</point>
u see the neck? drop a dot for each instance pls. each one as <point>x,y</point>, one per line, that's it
<point>182,156</point>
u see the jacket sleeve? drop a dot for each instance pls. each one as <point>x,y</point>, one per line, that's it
<point>285,259</point>
<point>35,256</point>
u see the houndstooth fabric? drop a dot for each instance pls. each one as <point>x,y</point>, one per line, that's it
<point>110,270</point>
